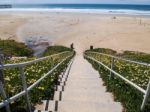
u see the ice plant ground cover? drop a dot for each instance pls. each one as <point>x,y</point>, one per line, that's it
<point>130,98</point>
<point>33,72</point>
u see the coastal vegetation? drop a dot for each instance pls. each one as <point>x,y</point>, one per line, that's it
<point>130,98</point>
<point>13,48</point>
<point>45,90</point>
<point>55,49</point>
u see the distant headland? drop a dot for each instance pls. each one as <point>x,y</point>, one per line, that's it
<point>5,6</point>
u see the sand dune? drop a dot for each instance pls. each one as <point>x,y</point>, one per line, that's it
<point>122,33</point>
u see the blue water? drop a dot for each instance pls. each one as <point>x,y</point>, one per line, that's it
<point>87,8</point>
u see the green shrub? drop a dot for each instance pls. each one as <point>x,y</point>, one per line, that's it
<point>55,49</point>
<point>11,47</point>
<point>137,56</point>
<point>104,50</point>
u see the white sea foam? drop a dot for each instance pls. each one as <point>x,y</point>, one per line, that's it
<point>89,11</point>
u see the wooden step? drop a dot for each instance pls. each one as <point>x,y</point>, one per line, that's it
<point>76,106</point>
<point>89,96</point>
<point>82,106</point>
<point>46,106</point>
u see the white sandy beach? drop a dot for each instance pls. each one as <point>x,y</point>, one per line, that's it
<point>122,33</point>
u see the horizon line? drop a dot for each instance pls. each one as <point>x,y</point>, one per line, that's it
<point>72,4</point>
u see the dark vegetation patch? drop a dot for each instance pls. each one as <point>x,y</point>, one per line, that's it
<point>56,49</point>
<point>13,48</point>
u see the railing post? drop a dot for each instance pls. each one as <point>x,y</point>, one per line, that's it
<point>146,97</point>
<point>99,66</point>
<point>112,66</point>
<point>4,96</point>
<point>101,58</point>
<point>25,89</point>
<point>2,91</point>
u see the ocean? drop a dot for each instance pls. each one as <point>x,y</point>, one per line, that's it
<point>85,8</point>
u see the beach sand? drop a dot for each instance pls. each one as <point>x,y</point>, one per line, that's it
<point>122,33</point>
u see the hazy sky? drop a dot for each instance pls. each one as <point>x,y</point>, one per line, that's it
<point>79,1</point>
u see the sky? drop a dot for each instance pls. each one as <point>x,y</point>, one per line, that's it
<point>78,1</point>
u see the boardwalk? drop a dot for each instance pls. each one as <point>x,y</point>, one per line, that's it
<point>83,91</point>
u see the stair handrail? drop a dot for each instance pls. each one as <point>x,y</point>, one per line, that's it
<point>120,58</point>
<point>7,101</point>
<point>145,92</point>
<point>30,62</point>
